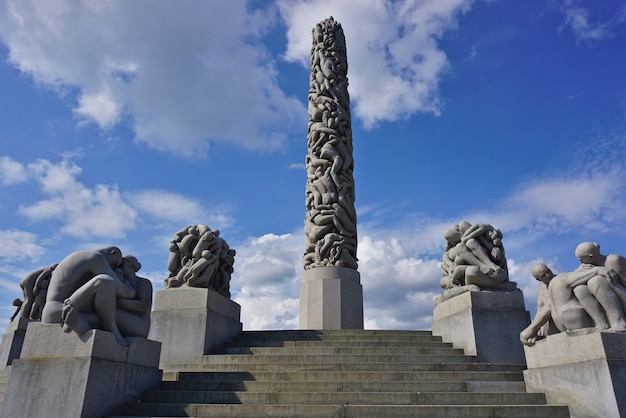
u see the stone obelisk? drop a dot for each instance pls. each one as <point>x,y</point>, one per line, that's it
<point>331,295</point>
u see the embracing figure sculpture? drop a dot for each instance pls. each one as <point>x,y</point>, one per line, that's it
<point>592,296</point>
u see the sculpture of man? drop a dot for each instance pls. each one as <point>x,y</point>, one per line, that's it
<point>475,256</point>
<point>572,305</point>
<point>83,291</point>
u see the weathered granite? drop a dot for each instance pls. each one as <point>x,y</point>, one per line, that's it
<point>485,324</point>
<point>193,322</point>
<point>12,341</point>
<point>331,298</point>
<point>584,369</point>
<point>63,375</point>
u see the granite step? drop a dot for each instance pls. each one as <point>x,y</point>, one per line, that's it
<point>342,373</point>
<point>421,348</point>
<point>316,376</point>
<point>348,411</point>
<point>342,398</point>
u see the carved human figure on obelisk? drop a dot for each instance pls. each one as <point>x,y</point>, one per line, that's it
<point>331,295</point>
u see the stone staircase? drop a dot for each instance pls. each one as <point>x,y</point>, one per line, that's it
<point>342,373</point>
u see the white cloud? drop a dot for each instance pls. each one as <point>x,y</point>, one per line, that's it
<point>18,245</point>
<point>12,172</point>
<point>395,62</point>
<point>266,282</point>
<point>586,23</point>
<point>84,212</point>
<point>181,76</point>
<point>177,209</point>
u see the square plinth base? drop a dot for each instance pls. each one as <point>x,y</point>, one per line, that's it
<point>63,376</point>
<point>331,298</point>
<point>584,369</point>
<point>192,322</point>
<point>485,324</point>
<point>12,341</point>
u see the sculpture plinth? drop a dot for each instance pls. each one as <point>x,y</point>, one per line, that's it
<point>583,369</point>
<point>192,322</point>
<point>331,296</point>
<point>63,375</point>
<point>12,341</point>
<point>485,324</point>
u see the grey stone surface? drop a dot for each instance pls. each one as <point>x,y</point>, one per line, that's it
<point>485,324</point>
<point>63,375</point>
<point>474,259</point>
<point>585,370</point>
<point>592,296</point>
<point>330,222</point>
<point>94,289</point>
<point>192,322</point>
<point>331,298</point>
<point>199,257</point>
<point>12,341</point>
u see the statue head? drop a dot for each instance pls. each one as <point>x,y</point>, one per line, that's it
<point>113,255</point>
<point>588,252</point>
<point>542,273</point>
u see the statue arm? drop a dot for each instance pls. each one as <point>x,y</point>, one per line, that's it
<point>582,275</point>
<point>529,335</point>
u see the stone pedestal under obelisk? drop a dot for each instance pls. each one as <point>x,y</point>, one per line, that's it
<point>331,295</point>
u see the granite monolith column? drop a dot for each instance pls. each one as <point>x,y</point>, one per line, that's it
<point>331,295</point>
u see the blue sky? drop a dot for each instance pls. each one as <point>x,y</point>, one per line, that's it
<point>121,122</point>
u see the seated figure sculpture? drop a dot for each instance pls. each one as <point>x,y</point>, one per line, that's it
<point>592,296</point>
<point>98,289</point>
<point>199,257</point>
<point>474,260</point>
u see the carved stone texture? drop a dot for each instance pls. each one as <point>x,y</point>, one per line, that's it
<point>592,296</point>
<point>474,260</point>
<point>93,289</point>
<point>330,221</point>
<point>199,257</point>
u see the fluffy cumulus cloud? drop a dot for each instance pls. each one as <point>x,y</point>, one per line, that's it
<point>395,61</point>
<point>182,76</point>
<point>16,246</point>
<point>266,282</point>
<point>101,211</point>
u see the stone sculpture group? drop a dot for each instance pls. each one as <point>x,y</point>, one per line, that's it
<point>474,259</point>
<point>199,257</point>
<point>91,289</point>
<point>592,296</point>
<point>330,222</point>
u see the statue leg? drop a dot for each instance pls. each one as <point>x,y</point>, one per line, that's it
<point>591,305</point>
<point>611,303</point>
<point>98,295</point>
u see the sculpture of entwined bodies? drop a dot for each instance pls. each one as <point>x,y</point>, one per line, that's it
<point>200,258</point>
<point>474,260</point>
<point>330,221</point>
<point>90,289</point>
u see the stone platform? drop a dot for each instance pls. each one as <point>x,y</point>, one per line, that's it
<point>583,369</point>
<point>485,324</point>
<point>192,322</point>
<point>331,298</point>
<point>63,375</point>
